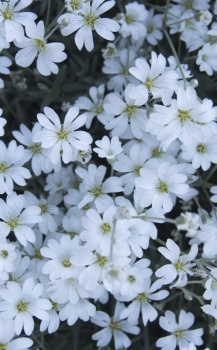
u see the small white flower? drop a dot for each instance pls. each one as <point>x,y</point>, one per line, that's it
<point>88,20</point>
<point>180,333</point>
<point>62,138</point>
<point>36,46</point>
<point>22,303</point>
<point>113,327</point>
<point>13,19</point>
<point>181,265</point>
<point>6,337</point>
<point>108,148</point>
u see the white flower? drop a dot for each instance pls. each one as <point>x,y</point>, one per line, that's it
<point>189,222</point>
<point>7,256</point>
<point>83,309</point>
<point>94,106</point>
<point>132,23</point>
<point>201,149</point>
<point>161,186</point>
<point>13,20</point>
<point>88,20</point>
<point>74,6</point>
<point>128,113</point>
<point>5,62</point>
<point>108,148</point>
<point>3,121</point>
<point>213,190</point>
<point>36,46</point>
<point>11,161</point>
<point>16,220</point>
<point>6,337</point>
<point>97,189</point>
<point>180,334</point>
<point>181,265</point>
<point>59,254</point>
<point>183,118</point>
<point>154,80</point>
<point>153,24</point>
<point>142,302</point>
<point>21,303</point>
<point>211,288</point>
<point>113,327</point>
<point>62,138</point>
<point>206,59</point>
<point>39,157</point>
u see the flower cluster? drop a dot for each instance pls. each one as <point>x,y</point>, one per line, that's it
<point>108,210</point>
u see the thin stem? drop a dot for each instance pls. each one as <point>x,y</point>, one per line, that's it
<point>211,173</point>
<point>175,55</point>
<point>52,31</point>
<point>55,19</point>
<point>48,12</point>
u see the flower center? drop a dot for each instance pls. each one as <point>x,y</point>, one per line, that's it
<point>201,148</point>
<point>129,110</point>
<point>132,278</point>
<point>90,19</point>
<point>38,255</point>
<point>35,148</point>
<point>183,116</point>
<point>162,187</point>
<point>106,228</point>
<point>3,346</point>
<point>156,153</point>
<point>13,223</point>
<point>4,167</point>
<point>4,254</point>
<point>21,306</point>
<point>101,260</point>
<point>40,44</point>
<point>62,134</point>
<point>129,19</point>
<point>44,208</point>
<point>7,14</point>
<point>188,4</point>
<point>66,263</point>
<point>179,265</point>
<point>142,298</point>
<point>113,325</point>
<point>97,191</point>
<point>149,83</point>
<point>178,334</point>
<point>136,171</point>
<point>75,4</point>
<point>150,29</point>
<point>98,109</point>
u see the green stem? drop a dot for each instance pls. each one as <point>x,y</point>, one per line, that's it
<point>52,31</point>
<point>48,12</point>
<point>211,173</point>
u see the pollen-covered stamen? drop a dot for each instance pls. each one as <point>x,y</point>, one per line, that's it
<point>150,29</point>
<point>136,170</point>
<point>3,346</point>
<point>201,148</point>
<point>130,110</point>
<point>131,278</point>
<point>106,228</point>
<point>13,223</point>
<point>4,167</point>
<point>40,44</point>
<point>129,19</point>
<point>75,5</point>
<point>188,4</point>
<point>97,191</point>
<point>101,260</point>
<point>22,306</point>
<point>7,14</point>
<point>90,19</point>
<point>156,153</point>
<point>44,208</point>
<point>35,148</point>
<point>66,263</point>
<point>113,325</point>
<point>183,116</point>
<point>162,187</point>
<point>62,134</point>
<point>179,265</point>
<point>149,83</point>
<point>178,333</point>
<point>142,298</point>
<point>4,254</point>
